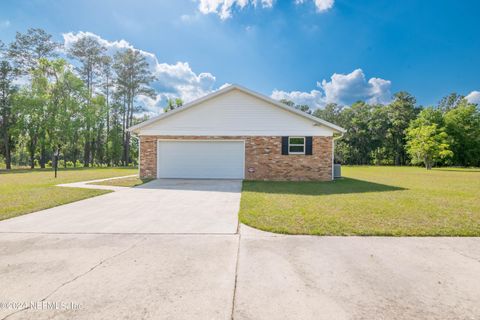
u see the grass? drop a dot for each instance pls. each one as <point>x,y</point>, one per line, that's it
<point>123,182</point>
<point>393,201</point>
<point>25,191</point>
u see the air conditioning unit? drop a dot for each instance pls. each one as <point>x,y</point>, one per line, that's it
<point>337,171</point>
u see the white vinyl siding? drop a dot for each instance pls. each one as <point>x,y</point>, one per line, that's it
<point>236,113</point>
<point>199,159</point>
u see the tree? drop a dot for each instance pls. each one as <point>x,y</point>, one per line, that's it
<point>66,97</point>
<point>29,105</point>
<point>289,103</point>
<point>133,78</point>
<point>7,89</point>
<point>301,107</point>
<point>449,102</point>
<point>332,112</point>
<point>27,52</point>
<point>378,126</point>
<point>463,125</point>
<point>355,147</point>
<point>107,85</point>
<point>83,113</point>
<point>90,53</point>
<point>400,112</point>
<point>173,104</point>
<point>427,144</point>
<point>428,116</point>
<point>28,48</point>
<point>115,138</point>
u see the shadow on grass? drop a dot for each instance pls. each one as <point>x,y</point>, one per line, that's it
<point>466,170</point>
<point>311,188</point>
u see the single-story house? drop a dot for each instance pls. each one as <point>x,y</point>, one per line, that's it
<point>235,133</point>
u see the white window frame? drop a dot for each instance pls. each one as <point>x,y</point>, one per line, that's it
<point>296,145</point>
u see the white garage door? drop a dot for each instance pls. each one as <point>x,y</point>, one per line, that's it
<point>201,159</point>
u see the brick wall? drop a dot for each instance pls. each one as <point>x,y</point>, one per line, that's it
<point>148,156</point>
<point>263,158</point>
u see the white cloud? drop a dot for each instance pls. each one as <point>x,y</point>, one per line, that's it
<point>112,46</point>
<point>379,91</point>
<point>343,89</point>
<point>173,80</point>
<point>223,8</point>
<point>473,97</point>
<point>267,3</point>
<point>314,98</point>
<point>179,80</point>
<point>348,88</point>
<point>321,5</point>
<point>226,84</point>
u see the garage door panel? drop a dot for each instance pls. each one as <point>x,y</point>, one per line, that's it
<point>201,159</point>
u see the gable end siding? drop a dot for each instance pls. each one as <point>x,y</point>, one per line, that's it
<point>235,113</point>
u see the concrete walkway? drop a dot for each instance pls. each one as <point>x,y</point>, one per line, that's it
<point>88,185</point>
<point>178,272</point>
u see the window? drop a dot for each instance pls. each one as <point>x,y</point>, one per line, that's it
<point>296,145</point>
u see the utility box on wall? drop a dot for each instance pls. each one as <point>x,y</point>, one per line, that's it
<point>337,171</point>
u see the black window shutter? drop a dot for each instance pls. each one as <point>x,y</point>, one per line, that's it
<point>308,145</point>
<point>285,145</point>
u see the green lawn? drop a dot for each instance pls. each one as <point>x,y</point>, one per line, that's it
<point>123,182</point>
<point>399,201</point>
<point>25,191</point>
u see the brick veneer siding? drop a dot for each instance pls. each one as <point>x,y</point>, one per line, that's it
<point>263,154</point>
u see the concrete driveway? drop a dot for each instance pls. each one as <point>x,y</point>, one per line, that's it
<point>160,206</point>
<point>125,263</point>
<point>309,277</point>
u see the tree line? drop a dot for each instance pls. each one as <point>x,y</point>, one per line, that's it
<point>403,133</point>
<point>77,101</point>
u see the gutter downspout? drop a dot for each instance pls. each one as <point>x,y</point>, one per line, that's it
<point>333,153</point>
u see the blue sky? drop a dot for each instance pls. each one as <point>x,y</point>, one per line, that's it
<point>312,51</point>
